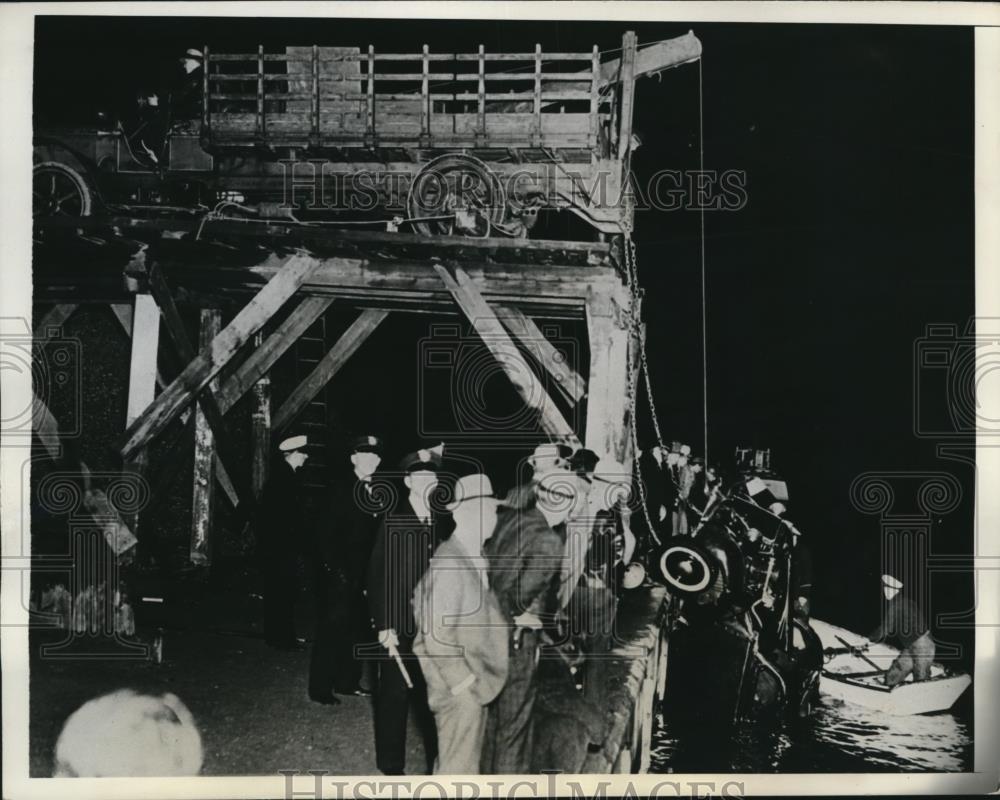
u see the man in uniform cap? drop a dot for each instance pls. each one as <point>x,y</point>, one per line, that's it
<point>404,542</point>
<point>904,625</point>
<point>282,530</point>
<point>343,548</point>
<point>462,638</point>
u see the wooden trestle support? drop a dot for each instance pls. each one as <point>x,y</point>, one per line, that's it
<point>500,287</point>
<point>499,293</point>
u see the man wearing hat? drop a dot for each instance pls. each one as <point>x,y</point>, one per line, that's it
<point>462,632</point>
<point>406,538</point>
<point>904,625</point>
<point>282,530</point>
<point>186,86</point>
<point>659,490</point>
<point>549,457</point>
<point>344,544</point>
<point>525,557</point>
<point>685,474</point>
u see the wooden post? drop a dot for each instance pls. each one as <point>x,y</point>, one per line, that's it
<point>261,422</point>
<point>536,123</point>
<point>481,96</point>
<point>489,328</point>
<point>141,383</point>
<point>425,99</point>
<point>370,127</point>
<point>328,366</point>
<point>204,458</point>
<point>628,93</point>
<point>595,75</point>
<point>213,358</point>
<point>608,414</point>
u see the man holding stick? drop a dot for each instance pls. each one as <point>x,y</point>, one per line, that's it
<point>404,543</point>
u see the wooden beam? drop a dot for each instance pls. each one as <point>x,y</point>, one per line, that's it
<point>402,244</point>
<point>608,413</point>
<point>45,427</point>
<point>527,332</point>
<point>141,382</point>
<point>261,424</point>
<point>490,329</point>
<point>203,482</point>
<point>537,289</point>
<point>328,366</point>
<point>628,93</point>
<point>207,403</point>
<point>53,320</point>
<point>116,530</point>
<point>123,313</point>
<point>207,364</point>
<point>265,354</point>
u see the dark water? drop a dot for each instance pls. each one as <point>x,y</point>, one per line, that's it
<point>837,738</point>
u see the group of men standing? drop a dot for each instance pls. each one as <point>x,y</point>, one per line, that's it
<point>448,605</point>
<point>678,486</point>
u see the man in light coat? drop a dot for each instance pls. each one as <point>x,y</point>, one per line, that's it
<point>462,633</point>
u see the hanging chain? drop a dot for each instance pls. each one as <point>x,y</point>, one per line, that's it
<point>632,388</point>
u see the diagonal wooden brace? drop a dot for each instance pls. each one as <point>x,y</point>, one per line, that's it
<point>256,365</point>
<point>168,405</point>
<point>237,491</point>
<point>123,313</point>
<point>264,357</point>
<point>492,332</point>
<point>52,322</point>
<point>328,366</point>
<point>527,332</point>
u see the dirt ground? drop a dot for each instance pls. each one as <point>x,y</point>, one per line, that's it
<point>249,701</point>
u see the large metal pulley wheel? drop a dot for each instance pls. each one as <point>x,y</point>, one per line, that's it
<point>456,195</point>
<point>58,191</point>
<point>686,568</point>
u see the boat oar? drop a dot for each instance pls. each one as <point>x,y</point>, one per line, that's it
<point>854,650</point>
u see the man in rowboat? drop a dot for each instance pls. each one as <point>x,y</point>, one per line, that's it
<point>903,623</point>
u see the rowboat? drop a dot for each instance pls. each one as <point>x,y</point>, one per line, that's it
<point>853,678</point>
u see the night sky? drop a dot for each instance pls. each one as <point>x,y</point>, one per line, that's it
<point>857,144</point>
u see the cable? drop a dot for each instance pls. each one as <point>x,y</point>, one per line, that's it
<point>704,312</point>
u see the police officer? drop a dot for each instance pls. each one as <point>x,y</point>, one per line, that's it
<point>281,533</point>
<point>406,538</point>
<point>344,544</point>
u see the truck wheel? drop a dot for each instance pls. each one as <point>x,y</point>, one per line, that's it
<point>456,194</point>
<point>58,190</point>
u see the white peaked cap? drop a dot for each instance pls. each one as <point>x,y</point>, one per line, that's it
<point>471,487</point>
<point>892,582</point>
<point>293,443</point>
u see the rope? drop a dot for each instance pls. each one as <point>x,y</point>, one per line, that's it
<point>704,317</point>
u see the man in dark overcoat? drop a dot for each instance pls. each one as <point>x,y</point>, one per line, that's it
<point>344,541</point>
<point>406,538</point>
<point>282,530</point>
<point>525,558</point>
